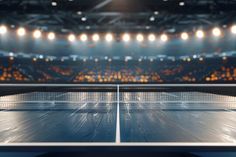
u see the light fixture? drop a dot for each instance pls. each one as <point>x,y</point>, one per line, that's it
<point>139,37</point>
<point>156,12</point>
<point>233,29</point>
<point>95,37</point>
<point>37,34</point>
<point>109,37</point>
<point>164,37</point>
<point>185,36</point>
<point>147,27</point>
<point>200,34</point>
<point>181,3</point>
<point>83,19</point>
<point>40,56</point>
<point>151,37</point>
<point>71,38</point>
<point>54,4</point>
<point>3,29</point>
<point>51,36</point>
<point>79,12</point>
<point>83,37</point>
<point>216,32</point>
<point>152,18</point>
<point>126,37</point>
<point>21,31</point>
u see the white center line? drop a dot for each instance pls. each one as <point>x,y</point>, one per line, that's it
<point>118,116</point>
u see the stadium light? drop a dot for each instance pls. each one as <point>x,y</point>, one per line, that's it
<point>152,18</point>
<point>21,32</point>
<point>200,34</point>
<point>51,36</point>
<point>79,12</point>
<point>109,37</point>
<point>184,36</point>
<point>216,32</point>
<point>11,54</point>
<point>95,37</point>
<point>3,29</point>
<point>151,37</point>
<point>83,37</point>
<point>37,34</point>
<point>233,29</point>
<point>126,37</point>
<point>71,38</point>
<point>164,37</point>
<point>181,3</point>
<point>83,19</point>
<point>54,4</point>
<point>140,38</point>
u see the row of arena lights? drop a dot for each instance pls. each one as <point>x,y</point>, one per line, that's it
<point>217,32</point>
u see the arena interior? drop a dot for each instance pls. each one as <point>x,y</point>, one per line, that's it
<point>118,78</point>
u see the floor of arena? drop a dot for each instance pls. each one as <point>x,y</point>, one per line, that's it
<point>122,117</point>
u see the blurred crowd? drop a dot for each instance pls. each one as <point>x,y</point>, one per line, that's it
<point>107,74</point>
<point>8,72</point>
<point>115,72</point>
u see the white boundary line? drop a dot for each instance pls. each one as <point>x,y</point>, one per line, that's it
<point>178,85</point>
<point>55,101</point>
<point>113,85</point>
<point>56,85</point>
<point>124,102</point>
<point>153,102</point>
<point>129,144</point>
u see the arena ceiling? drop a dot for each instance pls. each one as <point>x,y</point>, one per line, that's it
<point>117,15</point>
